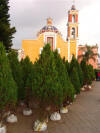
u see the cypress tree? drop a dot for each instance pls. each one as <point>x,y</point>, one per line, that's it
<point>91,72</point>
<point>75,80</point>
<point>27,72</point>
<point>16,72</point>
<point>74,63</point>
<point>67,65</point>
<point>68,89</point>
<point>6,31</point>
<point>86,74</point>
<point>8,88</point>
<point>46,86</point>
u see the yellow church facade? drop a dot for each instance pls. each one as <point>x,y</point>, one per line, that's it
<point>50,34</point>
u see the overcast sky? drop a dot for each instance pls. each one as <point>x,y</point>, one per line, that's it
<point>29,16</point>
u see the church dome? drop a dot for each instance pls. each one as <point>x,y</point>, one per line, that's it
<point>49,27</point>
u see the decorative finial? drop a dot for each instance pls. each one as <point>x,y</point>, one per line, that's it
<point>73,5</point>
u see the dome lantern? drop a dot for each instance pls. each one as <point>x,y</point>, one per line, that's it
<point>49,21</point>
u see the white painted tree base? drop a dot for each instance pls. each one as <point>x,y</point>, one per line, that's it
<point>64,110</point>
<point>55,116</point>
<point>83,89</point>
<point>40,126</point>
<point>27,112</point>
<point>3,128</point>
<point>12,118</point>
<point>89,86</point>
<point>75,96</point>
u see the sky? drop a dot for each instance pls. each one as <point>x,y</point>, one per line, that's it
<point>29,16</point>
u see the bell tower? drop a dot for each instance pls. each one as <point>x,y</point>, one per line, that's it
<point>72,36</point>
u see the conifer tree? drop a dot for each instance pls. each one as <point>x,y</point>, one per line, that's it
<point>91,71</point>
<point>6,31</point>
<point>86,74</point>
<point>75,80</point>
<point>68,89</point>
<point>16,72</point>
<point>8,88</point>
<point>27,72</point>
<point>46,86</point>
<point>67,65</point>
<point>74,63</point>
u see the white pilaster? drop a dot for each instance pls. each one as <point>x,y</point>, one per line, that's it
<point>68,50</point>
<point>77,44</point>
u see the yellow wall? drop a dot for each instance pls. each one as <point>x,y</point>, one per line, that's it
<point>41,39</point>
<point>32,48</point>
<point>73,47</point>
<point>63,47</point>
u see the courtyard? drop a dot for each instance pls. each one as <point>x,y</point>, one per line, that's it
<point>83,116</point>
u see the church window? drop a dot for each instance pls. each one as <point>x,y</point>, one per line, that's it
<point>73,33</point>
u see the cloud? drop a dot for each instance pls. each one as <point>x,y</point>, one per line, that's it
<point>89,24</point>
<point>29,16</point>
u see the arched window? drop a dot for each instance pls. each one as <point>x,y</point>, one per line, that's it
<point>73,33</point>
<point>73,19</point>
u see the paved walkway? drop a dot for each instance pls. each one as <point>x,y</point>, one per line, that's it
<point>83,116</point>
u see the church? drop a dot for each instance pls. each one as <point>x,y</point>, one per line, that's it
<point>50,34</point>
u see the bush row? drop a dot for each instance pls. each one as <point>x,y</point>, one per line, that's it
<point>51,80</point>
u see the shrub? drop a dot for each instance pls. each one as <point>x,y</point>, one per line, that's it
<point>80,73</point>
<point>67,66</point>
<point>8,88</point>
<point>68,89</point>
<point>27,70</point>
<point>46,86</point>
<point>86,75</point>
<point>74,63</point>
<point>16,72</point>
<point>75,80</point>
<point>91,72</point>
